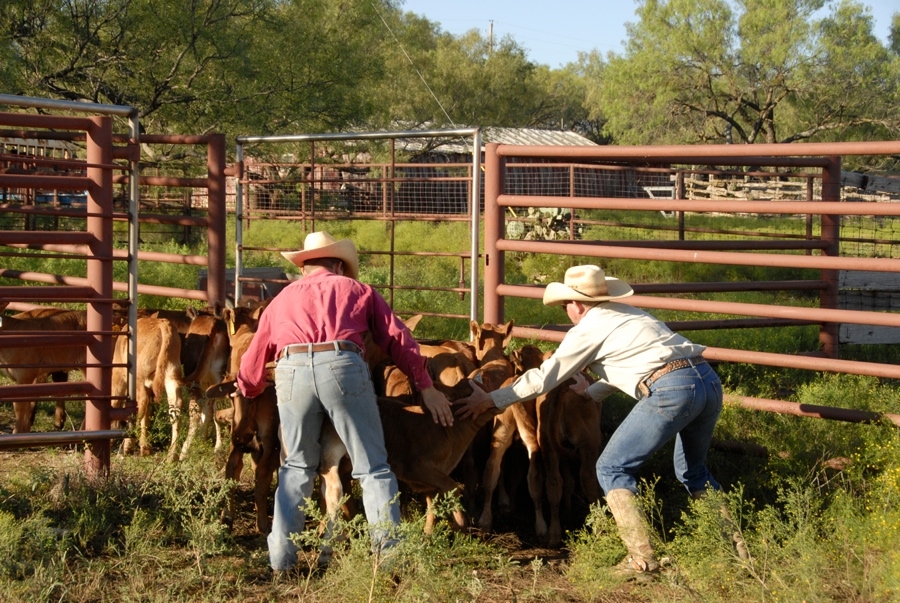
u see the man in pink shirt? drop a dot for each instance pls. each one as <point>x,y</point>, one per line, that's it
<point>314,330</point>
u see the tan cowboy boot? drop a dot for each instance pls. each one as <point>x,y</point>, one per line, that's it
<point>633,531</point>
<point>731,532</point>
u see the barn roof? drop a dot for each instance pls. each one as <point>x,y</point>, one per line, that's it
<point>518,136</point>
<point>533,136</point>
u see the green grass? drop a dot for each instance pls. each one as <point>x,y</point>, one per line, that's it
<point>820,509</point>
<point>150,532</point>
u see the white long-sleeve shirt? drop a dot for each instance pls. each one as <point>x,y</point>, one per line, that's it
<point>621,344</point>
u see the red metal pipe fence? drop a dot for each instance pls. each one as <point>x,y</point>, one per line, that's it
<point>501,161</point>
<point>513,179</point>
<point>95,245</point>
<point>98,174</point>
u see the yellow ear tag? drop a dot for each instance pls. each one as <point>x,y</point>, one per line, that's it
<point>231,326</point>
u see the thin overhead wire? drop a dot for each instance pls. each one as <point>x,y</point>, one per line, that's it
<point>419,73</point>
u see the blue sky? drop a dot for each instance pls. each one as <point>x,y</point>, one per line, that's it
<point>554,32</point>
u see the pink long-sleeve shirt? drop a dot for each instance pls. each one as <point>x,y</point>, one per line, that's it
<point>327,307</point>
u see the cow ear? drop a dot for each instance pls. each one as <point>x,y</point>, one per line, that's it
<point>412,322</point>
<point>192,312</point>
<point>222,390</point>
<point>507,331</point>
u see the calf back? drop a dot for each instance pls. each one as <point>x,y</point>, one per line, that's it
<point>46,359</point>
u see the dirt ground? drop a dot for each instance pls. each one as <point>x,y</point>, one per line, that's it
<point>521,583</point>
<point>513,535</point>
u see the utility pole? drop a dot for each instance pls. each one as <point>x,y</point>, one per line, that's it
<point>491,38</point>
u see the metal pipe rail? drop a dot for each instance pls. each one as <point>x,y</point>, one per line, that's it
<point>771,260</point>
<point>96,289</point>
<point>500,174</point>
<point>59,438</point>
<point>813,363</point>
<point>718,154</point>
<point>117,285</point>
<point>811,410</point>
<point>744,309</point>
<point>728,206</point>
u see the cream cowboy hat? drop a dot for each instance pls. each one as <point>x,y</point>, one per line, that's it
<point>586,284</point>
<point>323,245</point>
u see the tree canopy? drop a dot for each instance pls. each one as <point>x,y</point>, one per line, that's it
<point>747,71</point>
<point>739,71</point>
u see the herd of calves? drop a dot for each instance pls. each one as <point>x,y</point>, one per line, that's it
<point>200,352</point>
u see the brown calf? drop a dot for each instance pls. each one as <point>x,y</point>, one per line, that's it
<point>158,370</point>
<point>205,350</point>
<point>569,433</point>
<point>205,353</point>
<point>421,453</point>
<point>59,417</point>
<point>517,420</point>
<point>26,365</point>
<point>558,429</point>
<point>254,431</point>
<point>253,422</point>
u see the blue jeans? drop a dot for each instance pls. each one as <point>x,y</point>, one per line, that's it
<point>336,385</point>
<point>684,404</point>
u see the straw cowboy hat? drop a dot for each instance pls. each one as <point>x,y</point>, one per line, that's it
<point>323,245</point>
<point>586,284</point>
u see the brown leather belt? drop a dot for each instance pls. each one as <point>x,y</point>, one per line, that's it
<point>328,346</point>
<point>674,365</point>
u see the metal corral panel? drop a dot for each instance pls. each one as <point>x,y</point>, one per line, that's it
<point>260,286</point>
<point>871,291</point>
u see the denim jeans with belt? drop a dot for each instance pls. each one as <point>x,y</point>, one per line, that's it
<point>684,404</point>
<point>311,387</point>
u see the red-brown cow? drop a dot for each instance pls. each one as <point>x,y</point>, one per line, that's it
<point>254,423</point>
<point>569,435</point>
<point>26,365</point>
<point>205,350</point>
<point>158,370</point>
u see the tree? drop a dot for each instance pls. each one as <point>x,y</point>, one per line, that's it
<point>894,35</point>
<point>851,91</point>
<point>233,66</point>
<point>560,102</point>
<point>745,71</point>
<point>436,78</point>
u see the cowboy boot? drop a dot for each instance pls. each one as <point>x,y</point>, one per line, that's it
<point>731,531</point>
<point>633,532</point>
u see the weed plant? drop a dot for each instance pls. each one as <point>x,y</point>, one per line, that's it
<point>819,512</point>
<point>817,502</point>
<point>151,532</point>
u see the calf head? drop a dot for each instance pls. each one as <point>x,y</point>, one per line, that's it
<point>527,357</point>
<point>490,340</point>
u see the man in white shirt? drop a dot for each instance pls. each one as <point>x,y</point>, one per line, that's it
<point>679,395</point>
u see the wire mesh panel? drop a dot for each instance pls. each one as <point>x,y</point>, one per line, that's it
<point>870,237</point>
<point>388,191</point>
<point>669,215</point>
<point>638,182</point>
